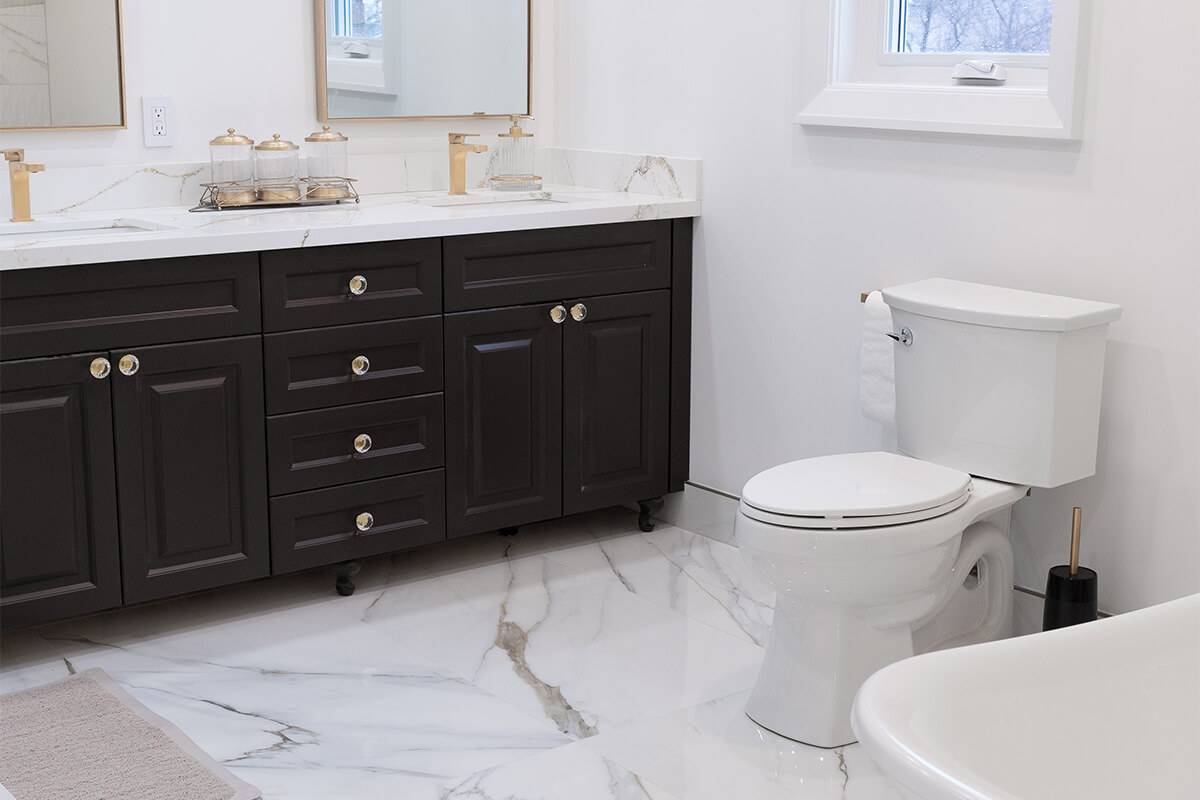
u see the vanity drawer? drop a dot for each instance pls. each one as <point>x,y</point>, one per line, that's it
<point>95,307</point>
<point>320,285</point>
<point>311,449</point>
<point>317,368</point>
<point>326,525</point>
<point>522,267</point>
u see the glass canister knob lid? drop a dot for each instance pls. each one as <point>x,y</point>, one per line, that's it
<point>231,139</point>
<point>275,144</point>
<point>325,135</point>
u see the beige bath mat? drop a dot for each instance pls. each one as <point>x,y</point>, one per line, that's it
<point>86,738</point>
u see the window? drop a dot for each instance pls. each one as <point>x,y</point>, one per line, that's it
<point>356,19</point>
<point>970,26</point>
<point>887,64</point>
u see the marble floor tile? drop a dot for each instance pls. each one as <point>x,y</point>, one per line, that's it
<point>579,660</point>
<point>714,752</point>
<point>570,772</point>
<point>580,652</point>
<point>303,703</point>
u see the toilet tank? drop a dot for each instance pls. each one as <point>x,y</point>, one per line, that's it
<point>999,383</point>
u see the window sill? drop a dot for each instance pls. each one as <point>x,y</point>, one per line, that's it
<point>994,110</point>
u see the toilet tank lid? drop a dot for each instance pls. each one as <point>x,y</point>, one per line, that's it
<point>998,307</point>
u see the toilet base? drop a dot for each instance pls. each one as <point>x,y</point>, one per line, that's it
<point>816,658</point>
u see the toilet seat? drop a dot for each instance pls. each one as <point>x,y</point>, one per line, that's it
<point>854,490</point>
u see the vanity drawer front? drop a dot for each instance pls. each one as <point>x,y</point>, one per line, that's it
<point>312,449</point>
<point>521,267</point>
<point>94,307</point>
<point>324,526</point>
<point>317,286</point>
<point>316,368</point>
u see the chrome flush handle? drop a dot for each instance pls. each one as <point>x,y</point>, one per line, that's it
<point>905,338</point>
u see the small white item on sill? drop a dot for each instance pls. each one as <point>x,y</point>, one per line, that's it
<point>979,72</point>
<point>356,50</point>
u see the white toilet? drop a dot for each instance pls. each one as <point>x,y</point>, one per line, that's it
<point>876,556</point>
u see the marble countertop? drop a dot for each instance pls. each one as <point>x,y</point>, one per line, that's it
<point>174,231</point>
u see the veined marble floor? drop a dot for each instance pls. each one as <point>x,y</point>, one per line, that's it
<point>579,660</point>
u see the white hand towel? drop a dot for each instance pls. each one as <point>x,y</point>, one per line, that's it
<point>877,372</point>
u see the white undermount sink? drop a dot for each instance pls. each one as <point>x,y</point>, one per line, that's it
<point>486,196</point>
<point>64,228</point>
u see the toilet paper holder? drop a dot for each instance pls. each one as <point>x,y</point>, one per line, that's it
<point>905,336</point>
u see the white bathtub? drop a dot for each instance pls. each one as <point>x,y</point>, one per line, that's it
<point>1109,710</point>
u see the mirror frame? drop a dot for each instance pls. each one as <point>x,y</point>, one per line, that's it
<point>323,83</point>
<point>124,123</point>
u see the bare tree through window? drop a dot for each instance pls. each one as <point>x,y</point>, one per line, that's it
<point>974,26</point>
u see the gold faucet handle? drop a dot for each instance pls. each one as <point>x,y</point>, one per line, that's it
<point>15,154</point>
<point>458,138</point>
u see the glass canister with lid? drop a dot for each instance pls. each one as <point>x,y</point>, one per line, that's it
<point>277,170</point>
<point>327,156</point>
<point>232,167</point>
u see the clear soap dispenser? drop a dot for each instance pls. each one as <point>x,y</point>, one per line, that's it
<point>514,160</point>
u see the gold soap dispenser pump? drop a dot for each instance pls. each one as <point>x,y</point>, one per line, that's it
<point>514,160</point>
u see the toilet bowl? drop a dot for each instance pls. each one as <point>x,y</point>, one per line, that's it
<point>866,553</point>
<point>875,557</point>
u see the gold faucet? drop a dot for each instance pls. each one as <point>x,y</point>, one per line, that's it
<point>18,180</point>
<point>458,160</point>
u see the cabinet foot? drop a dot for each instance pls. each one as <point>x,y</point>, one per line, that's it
<point>509,531</point>
<point>649,508</point>
<point>345,571</point>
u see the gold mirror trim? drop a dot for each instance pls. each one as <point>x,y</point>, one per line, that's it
<point>323,82</point>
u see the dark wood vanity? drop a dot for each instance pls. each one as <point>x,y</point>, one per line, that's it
<point>181,424</point>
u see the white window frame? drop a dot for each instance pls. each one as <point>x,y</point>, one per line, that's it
<point>851,80</point>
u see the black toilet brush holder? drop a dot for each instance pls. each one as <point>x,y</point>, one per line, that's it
<point>1071,590</point>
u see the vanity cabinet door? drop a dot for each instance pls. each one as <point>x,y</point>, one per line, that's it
<point>503,418</point>
<point>58,506</point>
<point>616,400</point>
<point>191,466</point>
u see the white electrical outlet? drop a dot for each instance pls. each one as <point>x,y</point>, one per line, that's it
<point>158,121</point>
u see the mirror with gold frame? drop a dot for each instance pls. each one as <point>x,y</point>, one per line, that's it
<point>422,59</point>
<point>62,65</point>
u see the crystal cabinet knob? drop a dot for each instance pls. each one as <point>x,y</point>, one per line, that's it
<point>128,364</point>
<point>362,442</point>
<point>360,365</point>
<point>364,521</point>
<point>358,284</point>
<point>100,368</point>
<point>558,314</point>
<point>578,312</point>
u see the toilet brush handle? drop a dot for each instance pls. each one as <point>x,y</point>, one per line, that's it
<point>1076,525</point>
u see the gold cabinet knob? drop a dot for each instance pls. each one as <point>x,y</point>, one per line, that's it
<point>100,368</point>
<point>558,314</point>
<point>362,442</point>
<point>128,364</point>
<point>364,521</point>
<point>578,312</point>
<point>360,365</point>
<point>358,284</point>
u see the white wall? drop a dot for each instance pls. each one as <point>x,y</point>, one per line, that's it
<point>798,222</point>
